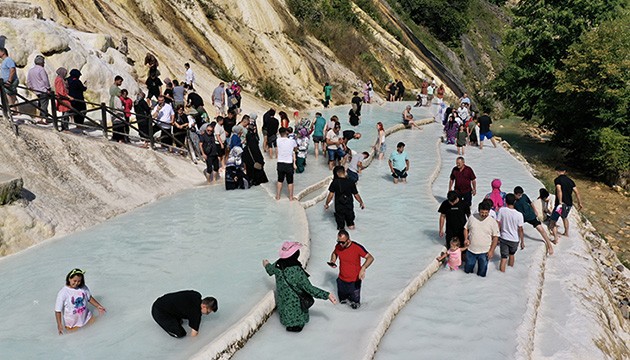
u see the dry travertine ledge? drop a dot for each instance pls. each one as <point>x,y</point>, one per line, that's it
<point>74,182</point>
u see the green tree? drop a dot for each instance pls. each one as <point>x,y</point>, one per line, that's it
<point>594,84</point>
<point>446,19</point>
<point>541,34</point>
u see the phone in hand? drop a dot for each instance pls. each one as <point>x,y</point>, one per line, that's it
<point>331,264</point>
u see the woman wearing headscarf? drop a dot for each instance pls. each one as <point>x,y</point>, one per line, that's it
<point>234,173</point>
<point>292,280</point>
<point>76,88</point>
<point>143,113</point>
<point>451,128</point>
<point>64,104</point>
<point>496,195</point>
<point>252,156</point>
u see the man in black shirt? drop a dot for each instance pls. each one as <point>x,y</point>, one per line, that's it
<point>343,189</point>
<point>484,122</point>
<point>565,187</point>
<point>270,128</point>
<point>454,213</point>
<point>356,103</point>
<point>154,85</point>
<point>193,100</point>
<point>169,311</point>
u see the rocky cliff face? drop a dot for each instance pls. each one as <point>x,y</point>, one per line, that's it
<point>221,39</point>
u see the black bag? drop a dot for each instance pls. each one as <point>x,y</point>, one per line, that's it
<point>306,299</point>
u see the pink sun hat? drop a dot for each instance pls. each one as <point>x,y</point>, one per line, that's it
<point>289,248</point>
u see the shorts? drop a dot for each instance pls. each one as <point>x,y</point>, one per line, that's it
<point>318,139</point>
<point>169,323</point>
<point>483,136</point>
<point>406,123</point>
<point>507,248</point>
<point>383,148</point>
<point>335,154</point>
<point>11,89</point>
<point>264,132</point>
<point>566,209</point>
<point>533,222</point>
<point>399,174</point>
<point>271,140</point>
<point>285,170</point>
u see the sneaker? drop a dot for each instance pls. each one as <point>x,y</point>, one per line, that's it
<point>355,305</point>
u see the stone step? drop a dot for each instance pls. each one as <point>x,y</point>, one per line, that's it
<point>10,188</point>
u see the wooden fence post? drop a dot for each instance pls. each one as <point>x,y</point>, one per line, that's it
<point>53,111</point>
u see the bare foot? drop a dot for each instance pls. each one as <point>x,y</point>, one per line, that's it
<point>351,227</point>
<point>277,197</point>
<point>550,250</point>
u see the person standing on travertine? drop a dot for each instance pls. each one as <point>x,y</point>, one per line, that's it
<point>190,75</point>
<point>481,233</point>
<point>511,224</point>
<point>565,187</point>
<point>351,271</point>
<point>464,179</point>
<point>286,162</point>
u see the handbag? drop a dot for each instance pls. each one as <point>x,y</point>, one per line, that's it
<point>257,165</point>
<point>306,299</point>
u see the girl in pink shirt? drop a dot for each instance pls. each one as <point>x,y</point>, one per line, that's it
<point>454,254</point>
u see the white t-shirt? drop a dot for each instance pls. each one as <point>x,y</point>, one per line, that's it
<point>480,233</point>
<point>190,76</point>
<point>219,131</point>
<point>285,149</point>
<point>353,165</point>
<point>164,116</point>
<point>333,137</point>
<point>73,304</point>
<point>510,220</point>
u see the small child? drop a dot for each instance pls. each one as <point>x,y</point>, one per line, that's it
<point>454,254</point>
<point>302,142</point>
<point>462,136</point>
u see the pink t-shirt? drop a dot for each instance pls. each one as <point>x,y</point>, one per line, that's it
<point>454,258</point>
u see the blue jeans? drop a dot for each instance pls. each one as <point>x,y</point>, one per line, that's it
<point>480,259</point>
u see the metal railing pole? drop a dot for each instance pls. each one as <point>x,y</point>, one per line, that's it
<point>104,119</point>
<point>151,138</point>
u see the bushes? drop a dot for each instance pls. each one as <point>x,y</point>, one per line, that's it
<point>269,89</point>
<point>610,153</point>
<point>447,19</point>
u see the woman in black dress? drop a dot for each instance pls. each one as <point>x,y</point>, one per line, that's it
<point>252,155</point>
<point>76,88</point>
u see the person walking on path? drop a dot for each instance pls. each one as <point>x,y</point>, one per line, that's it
<point>511,224</point>
<point>76,90</point>
<point>399,163</point>
<point>351,271</point>
<point>218,99</point>
<point>292,283</point>
<point>343,189</point>
<point>565,187</point>
<point>63,99</point>
<point>481,233</point>
<point>484,130</point>
<point>327,94</point>
<point>37,80</point>
<point>454,214</point>
<point>317,128</point>
<point>8,74</point>
<point>464,179</point>
<point>286,162</point>
<point>190,76</point>
<point>171,309</point>
<point>334,146</point>
<point>530,215</point>
<point>210,152</point>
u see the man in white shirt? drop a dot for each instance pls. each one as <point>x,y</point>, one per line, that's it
<point>190,76</point>
<point>286,162</point>
<point>481,233</point>
<point>511,223</point>
<point>164,117</point>
<point>334,140</point>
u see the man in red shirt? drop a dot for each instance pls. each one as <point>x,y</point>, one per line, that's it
<point>351,272</point>
<point>465,181</point>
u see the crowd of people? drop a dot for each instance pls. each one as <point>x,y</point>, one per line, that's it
<point>229,143</point>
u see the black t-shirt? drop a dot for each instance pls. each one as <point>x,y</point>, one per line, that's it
<point>456,216</point>
<point>344,190</point>
<point>195,100</point>
<point>184,304</point>
<point>484,124</point>
<point>153,84</point>
<point>168,95</point>
<point>228,124</point>
<point>348,134</point>
<point>567,185</point>
<point>208,144</point>
<point>272,126</point>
